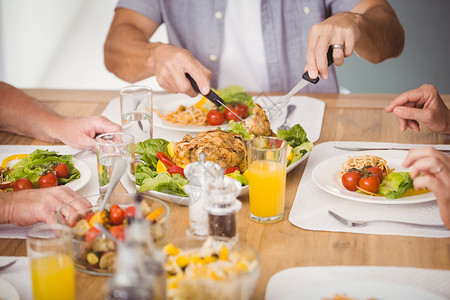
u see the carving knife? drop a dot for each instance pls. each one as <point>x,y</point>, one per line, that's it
<point>212,96</point>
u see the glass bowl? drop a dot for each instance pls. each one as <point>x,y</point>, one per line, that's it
<point>215,268</point>
<point>94,253</point>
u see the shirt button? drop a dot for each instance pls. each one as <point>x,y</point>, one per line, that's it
<point>218,15</point>
<point>213,57</point>
<point>306,10</point>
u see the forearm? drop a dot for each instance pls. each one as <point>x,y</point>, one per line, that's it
<point>381,34</point>
<point>23,115</point>
<point>5,206</point>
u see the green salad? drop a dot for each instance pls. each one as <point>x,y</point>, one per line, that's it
<point>152,174</point>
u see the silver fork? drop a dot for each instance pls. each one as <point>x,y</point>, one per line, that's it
<point>284,126</point>
<point>351,223</point>
<point>8,265</point>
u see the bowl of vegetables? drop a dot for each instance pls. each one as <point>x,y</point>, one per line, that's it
<point>215,268</point>
<point>94,252</point>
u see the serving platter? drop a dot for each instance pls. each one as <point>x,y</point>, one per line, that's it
<point>184,201</point>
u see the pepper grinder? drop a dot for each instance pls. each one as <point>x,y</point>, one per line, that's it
<point>200,174</point>
<point>222,207</point>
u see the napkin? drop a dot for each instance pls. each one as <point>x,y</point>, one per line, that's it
<point>91,188</point>
<point>308,113</point>
<point>288,281</point>
<point>18,275</point>
<point>311,204</point>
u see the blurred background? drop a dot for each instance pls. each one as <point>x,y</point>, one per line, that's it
<point>59,44</point>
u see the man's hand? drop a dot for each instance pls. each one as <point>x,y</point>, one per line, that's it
<point>421,105</point>
<point>170,65</point>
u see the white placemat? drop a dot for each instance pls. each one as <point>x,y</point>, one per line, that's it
<point>91,188</point>
<point>311,204</point>
<point>308,113</point>
<point>18,275</point>
<point>288,281</point>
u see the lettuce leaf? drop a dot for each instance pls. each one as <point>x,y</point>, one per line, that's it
<point>236,94</point>
<point>166,183</point>
<point>238,128</point>
<point>395,185</point>
<point>33,165</point>
<point>295,136</point>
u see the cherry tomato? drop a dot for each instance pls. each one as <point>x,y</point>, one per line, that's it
<point>230,116</point>
<point>22,184</point>
<point>377,171</point>
<point>48,180</point>
<point>215,117</point>
<point>351,179</point>
<point>175,170</point>
<point>91,234</point>
<point>116,215</point>
<point>165,159</point>
<point>130,212</point>
<point>243,109</point>
<point>118,231</point>
<point>62,170</point>
<point>230,170</point>
<point>370,183</point>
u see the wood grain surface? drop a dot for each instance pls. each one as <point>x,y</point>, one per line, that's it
<point>355,117</point>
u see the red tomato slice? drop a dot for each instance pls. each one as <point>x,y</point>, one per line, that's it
<point>230,170</point>
<point>92,234</point>
<point>165,159</point>
<point>175,170</point>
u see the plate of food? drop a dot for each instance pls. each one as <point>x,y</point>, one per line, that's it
<point>349,290</point>
<point>30,170</point>
<point>371,177</point>
<point>182,113</point>
<point>8,291</point>
<point>161,172</point>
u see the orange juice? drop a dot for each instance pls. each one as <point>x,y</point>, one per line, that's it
<point>267,183</point>
<point>53,277</point>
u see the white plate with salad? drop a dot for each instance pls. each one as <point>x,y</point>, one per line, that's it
<point>168,103</point>
<point>75,184</point>
<point>185,200</point>
<point>326,176</point>
<point>160,184</point>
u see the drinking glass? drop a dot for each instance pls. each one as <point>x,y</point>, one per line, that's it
<point>136,110</point>
<point>267,178</point>
<point>49,248</point>
<point>111,147</point>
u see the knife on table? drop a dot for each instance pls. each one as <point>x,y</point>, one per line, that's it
<point>283,101</point>
<point>211,96</point>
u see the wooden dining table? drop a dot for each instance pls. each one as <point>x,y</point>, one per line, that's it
<point>352,117</point>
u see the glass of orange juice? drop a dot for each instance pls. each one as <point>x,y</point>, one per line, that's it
<point>267,178</point>
<point>49,248</point>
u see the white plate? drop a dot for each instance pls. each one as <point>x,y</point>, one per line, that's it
<point>170,102</point>
<point>76,184</point>
<point>185,200</point>
<point>326,176</point>
<point>8,291</point>
<point>363,290</point>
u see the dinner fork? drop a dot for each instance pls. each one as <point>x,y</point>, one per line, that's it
<point>8,265</point>
<point>351,223</point>
<point>284,126</point>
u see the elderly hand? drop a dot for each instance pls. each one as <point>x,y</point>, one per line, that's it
<point>340,29</point>
<point>171,64</point>
<point>80,132</point>
<point>423,104</point>
<point>431,169</point>
<point>29,207</point>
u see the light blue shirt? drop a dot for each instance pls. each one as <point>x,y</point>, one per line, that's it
<point>195,26</point>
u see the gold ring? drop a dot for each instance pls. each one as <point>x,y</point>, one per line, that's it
<point>338,46</point>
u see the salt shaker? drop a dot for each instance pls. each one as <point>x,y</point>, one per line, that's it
<point>200,174</point>
<point>222,207</point>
